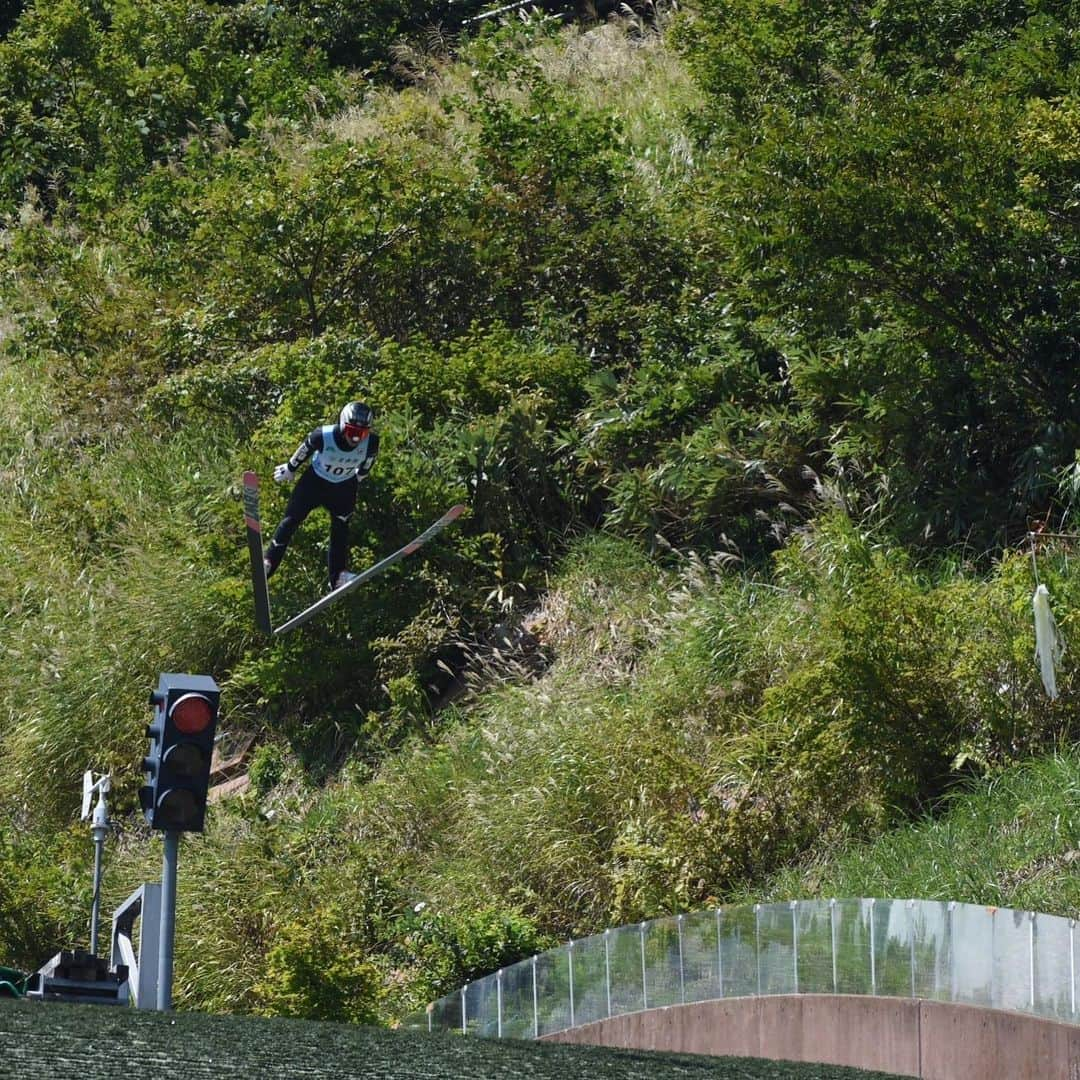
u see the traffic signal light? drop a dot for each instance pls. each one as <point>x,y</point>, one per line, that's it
<point>181,745</point>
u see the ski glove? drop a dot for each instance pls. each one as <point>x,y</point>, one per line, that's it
<point>283,474</point>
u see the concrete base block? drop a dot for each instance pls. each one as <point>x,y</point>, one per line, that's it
<point>960,1042</point>
<point>928,1039</point>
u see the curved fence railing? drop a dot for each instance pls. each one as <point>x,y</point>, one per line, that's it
<point>993,957</point>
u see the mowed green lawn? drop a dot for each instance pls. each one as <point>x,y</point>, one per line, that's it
<point>82,1042</point>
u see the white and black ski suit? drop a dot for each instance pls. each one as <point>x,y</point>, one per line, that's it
<point>330,481</point>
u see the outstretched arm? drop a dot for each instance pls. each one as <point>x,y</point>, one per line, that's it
<point>314,441</point>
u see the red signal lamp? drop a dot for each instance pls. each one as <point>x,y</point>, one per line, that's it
<point>192,714</point>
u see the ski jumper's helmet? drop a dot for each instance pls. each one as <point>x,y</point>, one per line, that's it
<point>355,420</point>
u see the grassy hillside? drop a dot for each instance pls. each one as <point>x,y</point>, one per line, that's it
<point>752,392</point>
<point>100,1042</point>
<point>1012,840</point>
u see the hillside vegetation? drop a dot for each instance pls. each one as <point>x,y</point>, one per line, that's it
<point>748,334</point>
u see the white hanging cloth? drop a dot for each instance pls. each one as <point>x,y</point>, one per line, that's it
<point>1049,644</point>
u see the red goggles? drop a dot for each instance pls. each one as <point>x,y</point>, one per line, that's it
<point>355,431</point>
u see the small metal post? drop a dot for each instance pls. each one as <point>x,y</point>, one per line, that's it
<point>168,921</point>
<point>464,1017</point>
<point>644,985</point>
<point>911,941</point>
<point>498,1001</point>
<point>682,974</point>
<point>832,939</point>
<point>1031,959</point>
<point>99,830</point>
<point>570,964</point>
<point>607,967</point>
<point>536,1004</point>
<point>873,963</point>
<point>949,909</point>
<point>993,957</point>
<point>1072,966</point>
<point>757,944</point>
<point>719,951</point>
<point>795,942</point>
<point>95,907</point>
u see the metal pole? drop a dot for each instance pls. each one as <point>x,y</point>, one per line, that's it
<point>1072,966</point>
<point>168,921</point>
<point>993,957</point>
<point>832,940</point>
<point>570,962</point>
<point>873,966</point>
<point>682,971</point>
<point>949,909</point>
<point>719,954</point>
<point>795,942</point>
<point>644,981</point>
<point>95,908</point>
<point>99,830</point>
<point>1031,959</point>
<point>607,968</point>
<point>911,936</point>
<point>757,944</point>
<point>536,1005</point>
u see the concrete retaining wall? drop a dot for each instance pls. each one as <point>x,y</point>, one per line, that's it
<point>927,1039</point>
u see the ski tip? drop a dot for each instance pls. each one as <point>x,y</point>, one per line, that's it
<point>454,512</point>
<point>251,479</point>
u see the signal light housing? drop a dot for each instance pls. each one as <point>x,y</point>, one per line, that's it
<point>181,746</point>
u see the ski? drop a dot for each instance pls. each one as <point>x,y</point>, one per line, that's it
<point>325,601</point>
<point>255,549</point>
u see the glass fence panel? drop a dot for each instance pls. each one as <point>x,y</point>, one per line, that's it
<point>625,961</point>
<point>1011,961</point>
<point>518,1021</point>
<point>892,948</point>
<point>971,972</point>
<point>813,921</point>
<point>553,991</point>
<point>738,951</point>
<point>947,952</point>
<point>851,930</point>
<point>446,1013</point>
<point>930,950</point>
<point>776,954</point>
<point>1053,967</point>
<point>701,956</point>
<point>663,975</point>
<point>482,1007</point>
<point>590,980</point>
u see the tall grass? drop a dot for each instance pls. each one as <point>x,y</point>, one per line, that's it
<point>105,562</point>
<point>617,67</point>
<point>1011,840</point>
<point>693,733</point>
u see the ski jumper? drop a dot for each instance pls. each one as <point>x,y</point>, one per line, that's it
<point>330,481</point>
